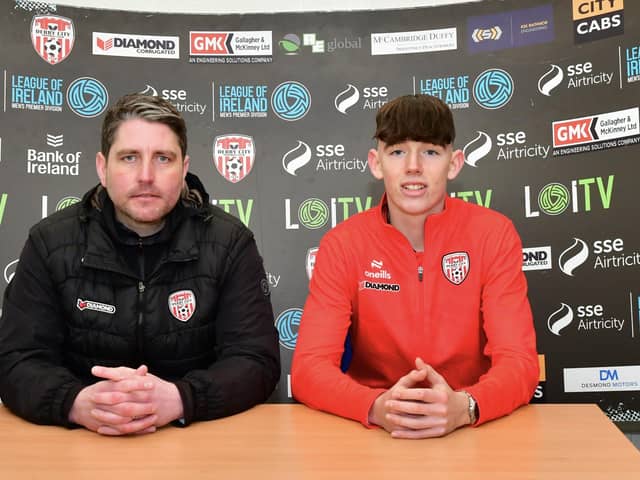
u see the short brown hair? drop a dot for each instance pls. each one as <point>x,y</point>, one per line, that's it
<point>145,107</point>
<point>422,118</point>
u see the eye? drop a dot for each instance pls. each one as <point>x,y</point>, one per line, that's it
<point>396,152</point>
<point>129,158</point>
<point>431,152</point>
<point>163,159</point>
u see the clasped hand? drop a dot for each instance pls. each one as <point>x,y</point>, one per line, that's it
<point>127,401</point>
<point>407,411</point>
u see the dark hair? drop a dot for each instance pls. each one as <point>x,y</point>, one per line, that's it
<point>422,118</point>
<point>145,107</point>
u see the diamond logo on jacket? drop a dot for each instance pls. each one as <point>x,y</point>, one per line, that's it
<point>182,305</point>
<point>455,267</point>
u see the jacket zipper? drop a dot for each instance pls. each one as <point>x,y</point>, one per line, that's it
<point>139,335</point>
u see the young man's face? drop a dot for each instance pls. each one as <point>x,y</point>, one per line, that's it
<point>143,174</point>
<point>415,176</point>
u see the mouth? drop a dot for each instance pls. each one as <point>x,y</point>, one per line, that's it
<point>413,187</point>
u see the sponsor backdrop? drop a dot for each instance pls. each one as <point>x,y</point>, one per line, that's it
<point>280,110</point>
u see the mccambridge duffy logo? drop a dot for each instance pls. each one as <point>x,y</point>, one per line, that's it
<point>493,89</point>
<point>290,101</point>
<point>87,97</point>
<point>287,325</point>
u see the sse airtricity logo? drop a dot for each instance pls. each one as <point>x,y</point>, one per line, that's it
<point>287,325</point>
<point>573,257</point>
<point>560,319</point>
<point>477,149</point>
<point>346,99</point>
<point>493,89</point>
<point>291,101</point>
<point>296,158</point>
<point>550,80</point>
<point>87,97</point>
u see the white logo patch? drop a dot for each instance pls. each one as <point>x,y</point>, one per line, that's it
<point>95,306</point>
<point>182,305</point>
<point>455,267</point>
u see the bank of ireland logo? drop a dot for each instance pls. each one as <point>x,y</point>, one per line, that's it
<point>455,267</point>
<point>346,99</point>
<point>296,158</point>
<point>290,101</point>
<point>477,149</point>
<point>550,80</point>
<point>560,319</point>
<point>287,325</point>
<point>52,37</point>
<point>310,262</point>
<point>66,202</point>
<point>493,88</point>
<point>554,198</point>
<point>313,213</point>
<point>87,97</point>
<point>233,156</point>
<point>573,257</point>
<point>182,305</point>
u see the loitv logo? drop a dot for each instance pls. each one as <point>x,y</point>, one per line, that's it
<point>555,198</point>
<point>237,207</point>
<point>475,196</point>
<point>314,213</point>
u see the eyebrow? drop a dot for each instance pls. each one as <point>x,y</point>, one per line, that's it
<point>127,151</point>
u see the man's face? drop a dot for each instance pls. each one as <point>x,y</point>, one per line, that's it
<point>143,174</point>
<point>415,176</point>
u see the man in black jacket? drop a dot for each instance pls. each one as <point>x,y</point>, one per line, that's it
<point>142,304</point>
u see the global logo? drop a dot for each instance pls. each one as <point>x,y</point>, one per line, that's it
<point>493,89</point>
<point>291,101</point>
<point>346,99</point>
<point>477,149</point>
<point>560,319</point>
<point>66,202</point>
<point>287,325</point>
<point>313,213</point>
<point>296,158</point>
<point>554,198</point>
<point>87,97</point>
<point>550,80</point>
<point>573,257</point>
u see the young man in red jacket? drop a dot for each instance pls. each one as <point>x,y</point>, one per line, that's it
<point>430,290</point>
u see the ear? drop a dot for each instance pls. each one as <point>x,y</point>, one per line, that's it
<point>101,168</point>
<point>185,166</point>
<point>373,159</point>
<point>455,164</point>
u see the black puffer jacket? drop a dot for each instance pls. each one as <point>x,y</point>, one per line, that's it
<point>191,302</point>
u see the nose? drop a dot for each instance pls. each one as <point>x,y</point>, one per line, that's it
<point>413,162</point>
<point>146,171</point>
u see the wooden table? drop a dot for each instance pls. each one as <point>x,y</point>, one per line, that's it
<point>295,442</point>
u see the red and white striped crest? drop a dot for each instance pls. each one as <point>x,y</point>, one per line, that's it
<point>455,267</point>
<point>233,156</point>
<point>52,37</point>
<point>182,305</point>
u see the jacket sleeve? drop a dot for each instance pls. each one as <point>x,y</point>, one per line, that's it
<point>247,365</point>
<point>34,384</point>
<point>316,377</point>
<point>508,325</point>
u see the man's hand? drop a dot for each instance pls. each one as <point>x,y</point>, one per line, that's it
<point>127,401</point>
<point>406,411</point>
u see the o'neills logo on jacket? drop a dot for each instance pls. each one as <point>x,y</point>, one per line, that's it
<point>95,306</point>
